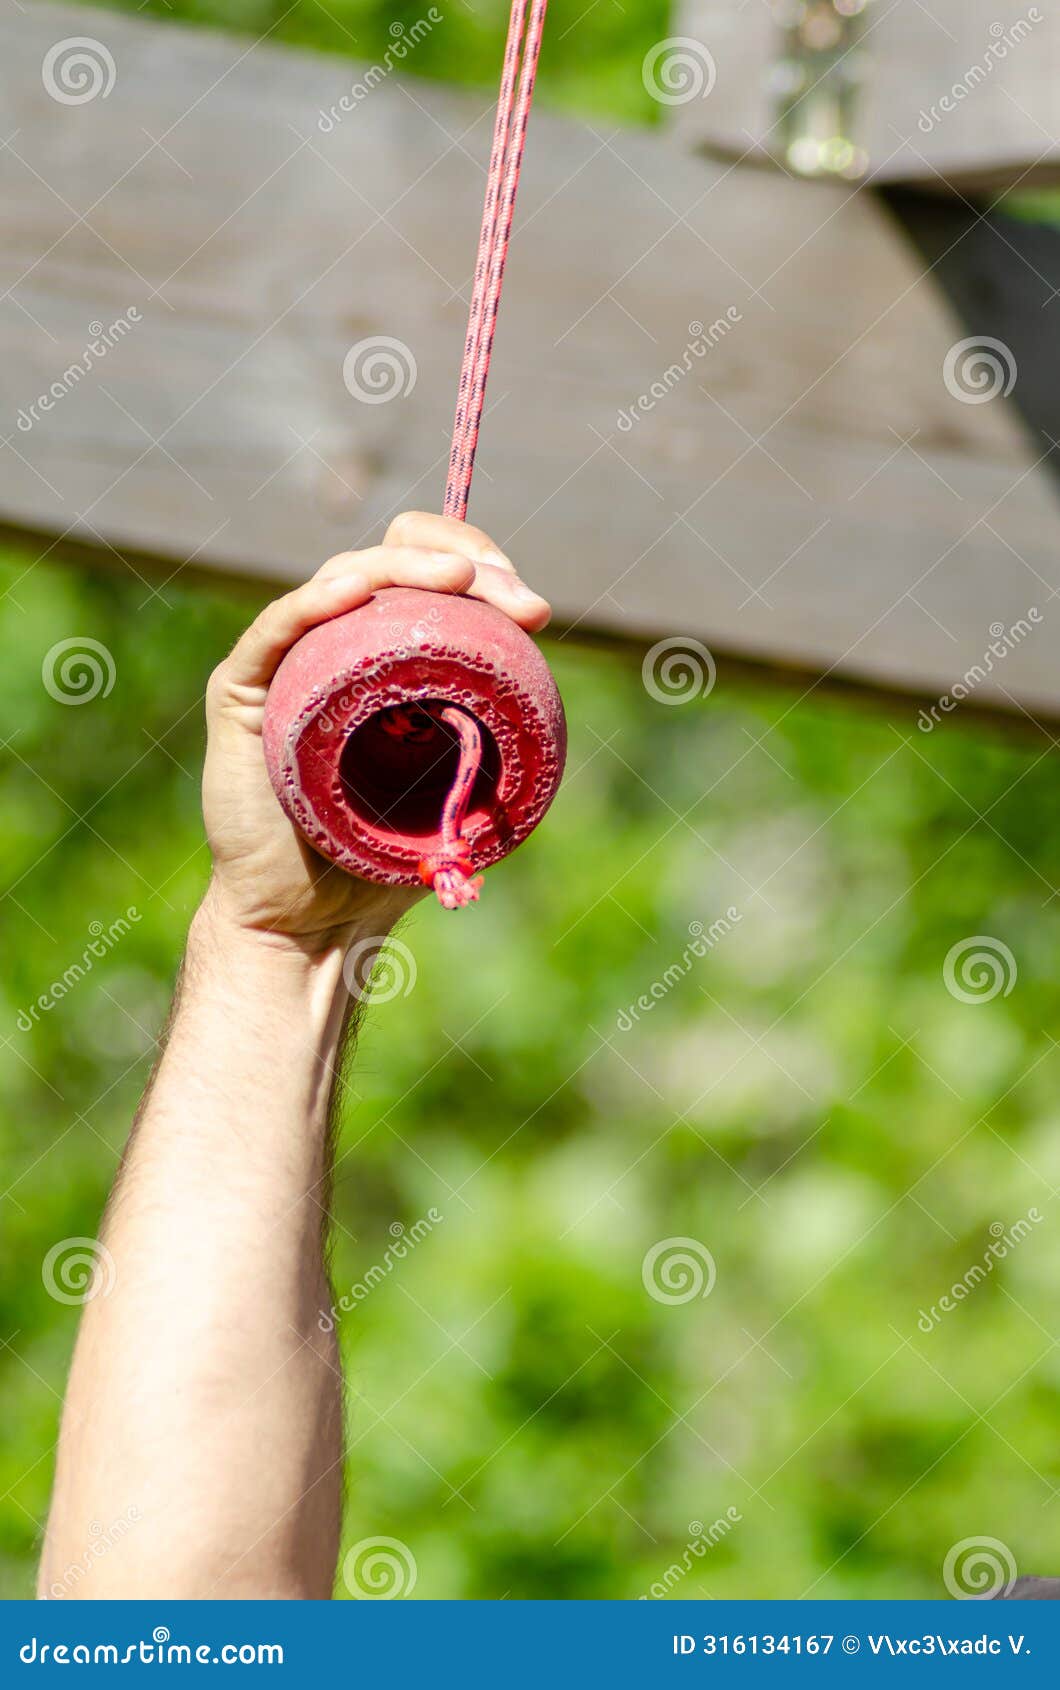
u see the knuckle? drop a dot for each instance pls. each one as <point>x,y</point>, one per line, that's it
<point>217,686</point>
<point>265,628</point>
<point>403,526</point>
<point>335,565</point>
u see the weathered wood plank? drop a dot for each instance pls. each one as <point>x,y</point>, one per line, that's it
<point>956,94</point>
<point>793,482</point>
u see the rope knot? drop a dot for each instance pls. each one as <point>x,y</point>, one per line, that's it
<point>449,871</point>
<point>452,881</point>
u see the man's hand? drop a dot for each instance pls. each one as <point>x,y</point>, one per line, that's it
<point>267,880</point>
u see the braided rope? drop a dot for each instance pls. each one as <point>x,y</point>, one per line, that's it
<point>449,871</point>
<point>502,184</point>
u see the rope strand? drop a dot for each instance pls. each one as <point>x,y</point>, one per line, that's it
<point>502,184</point>
<point>449,871</point>
<point>494,179</point>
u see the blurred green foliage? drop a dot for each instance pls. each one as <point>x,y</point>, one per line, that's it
<point>587,59</point>
<point>807,1101</point>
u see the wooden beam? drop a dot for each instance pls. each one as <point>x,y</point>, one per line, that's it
<point>956,94</point>
<point>717,410</point>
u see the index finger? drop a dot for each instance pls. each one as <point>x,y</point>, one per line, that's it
<point>259,652</point>
<point>446,534</point>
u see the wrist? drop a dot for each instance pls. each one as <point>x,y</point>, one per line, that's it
<point>255,959</point>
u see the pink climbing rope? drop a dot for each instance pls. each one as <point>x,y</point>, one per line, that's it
<point>450,870</point>
<point>521,54</point>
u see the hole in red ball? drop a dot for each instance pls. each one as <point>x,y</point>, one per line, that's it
<point>397,782</point>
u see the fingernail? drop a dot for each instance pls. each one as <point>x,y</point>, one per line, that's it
<point>498,558</point>
<point>522,591</point>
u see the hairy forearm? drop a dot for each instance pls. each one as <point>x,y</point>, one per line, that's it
<point>204,1403</point>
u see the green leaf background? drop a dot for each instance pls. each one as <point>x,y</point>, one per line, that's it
<point>808,1102</point>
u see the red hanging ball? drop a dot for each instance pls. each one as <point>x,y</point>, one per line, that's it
<point>362,760</point>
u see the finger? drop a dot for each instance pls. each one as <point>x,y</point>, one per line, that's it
<point>406,566</point>
<point>438,570</point>
<point>384,566</point>
<point>510,594</point>
<point>446,534</point>
<point>259,653</point>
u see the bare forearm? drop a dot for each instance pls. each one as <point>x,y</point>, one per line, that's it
<point>204,1402</point>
